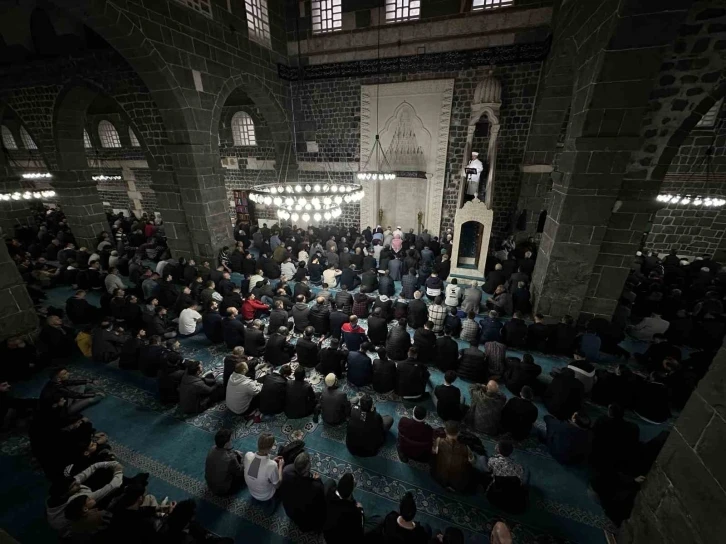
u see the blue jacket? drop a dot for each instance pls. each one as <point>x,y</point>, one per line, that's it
<point>212,327</point>
<point>360,369</point>
<point>491,330</point>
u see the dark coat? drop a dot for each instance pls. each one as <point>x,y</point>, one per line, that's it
<point>377,330</point>
<point>307,352</point>
<point>564,395</point>
<point>254,342</point>
<point>278,351</point>
<point>278,318</point>
<point>233,332</point>
<point>319,318</point>
<point>360,369</point>
<point>568,443</point>
<point>425,341</point>
<point>447,354</point>
<point>384,375</point>
<point>337,319</point>
<point>212,327</point>
<point>518,416</point>
<point>194,394</point>
<point>300,399</point>
<point>418,313</point>
<point>514,333</point>
<point>365,434</point>
<point>473,365</point>
<point>303,498</point>
<point>411,378</point>
<point>386,286</point>
<point>491,330</point>
<point>518,374</point>
<point>344,302</point>
<point>398,343</point>
<point>273,394</point>
<point>415,438</point>
<point>334,406</point>
<point>495,279</point>
<point>332,361</point>
<point>130,353</point>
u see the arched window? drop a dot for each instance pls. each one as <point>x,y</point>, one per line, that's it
<point>8,138</point>
<point>133,138</point>
<point>87,140</point>
<point>243,129</point>
<point>108,135</point>
<point>27,140</point>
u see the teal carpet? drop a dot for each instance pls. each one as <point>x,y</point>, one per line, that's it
<point>150,437</point>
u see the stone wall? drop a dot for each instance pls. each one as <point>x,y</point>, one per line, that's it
<point>683,497</point>
<point>331,117</point>
<point>689,229</point>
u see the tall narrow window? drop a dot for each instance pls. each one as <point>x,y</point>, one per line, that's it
<point>108,135</point>
<point>27,140</point>
<point>200,6</point>
<point>87,140</point>
<point>8,138</point>
<point>327,16</point>
<point>490,4</point>
<point>709,118</point>
<point>243,129</point>
<point>133,138</point>
<point>258,22</point>
<point>398,11</point>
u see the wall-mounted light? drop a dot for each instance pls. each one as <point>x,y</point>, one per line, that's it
<point>37,175</point>
<point>692,200</point>
<point>106,178</point>
<point>26,195</point>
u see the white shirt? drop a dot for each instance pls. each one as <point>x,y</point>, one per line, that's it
<point>302,255</point>
<point>188,321</point>
<point>288,269</point>
<point>261,476</point>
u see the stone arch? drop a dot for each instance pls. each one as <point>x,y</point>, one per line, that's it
<point>17,121</point>
<point>127,38</point>
<point>69,121</point>
<point>264,99</point>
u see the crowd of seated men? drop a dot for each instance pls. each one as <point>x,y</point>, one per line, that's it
<point>276,328</point>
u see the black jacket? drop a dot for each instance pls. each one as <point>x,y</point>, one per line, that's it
<point>386,286</point>
<point>398,343</point>
<point>150,360</point>
<point>365,434</point>
<point>385,306</point>
<point>473,365</point>
<point>447,353</point>
<point>80,311</point>
<point>495,279</point>
<point>425,341</point>
<point>278,351</point>
<point>344,521</point>
<point>212,327</point>
<point>344,302</point>
<point>518,416</point>
<point>278,318</point>
<point>233,332</point>
<point>377,330</point>
<point>319,318</point>
<point>448,402</point>
<point>273,394</point>
<point>537,334</point>
<point>384,375</point>
<point>369,281</point>
<point>337,319</point>
<point>411,378</point>
<point>300,399</point>
<point>514,333</point>
<point>518,374</point>
<point>254,342</point>
<point>303,498</point>
<point>106,345</point>
<point>418,313</point>
<point>564,396</point>
<point>307,352</point>
<point>332,360</point>
<point>130,353</point>
<point>562,339</point>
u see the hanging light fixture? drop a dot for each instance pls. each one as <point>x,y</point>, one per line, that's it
<point>381,169</point>
<point>37,175</point>
<point>295,201</point>
<point>697,200</point>
<point>26,195</point>
<point>103,177</point>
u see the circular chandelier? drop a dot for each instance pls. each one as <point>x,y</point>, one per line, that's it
<point>26,195</point>
<point>382,170</point>
<point>692,200</point>
<point>322,200</point>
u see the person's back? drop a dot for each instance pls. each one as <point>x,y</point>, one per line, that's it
<point>411,378</point>
<point>451,467</point>
<point>299,397</point>
<point>473,365</point>
<point>273,394</point>
<point>303,495</point>
<point>384,375</point>
<point>564,394</point>
<point>344,521</point>
<point>448,402</point>
<point>614,440</point>
<point>394,533</point>
<point>261,475</point>
<point>365,434</point>
<point>520,373</point>
<point>360,369</point>
<point>518,416</point>
<point>221,467</point>
<point>335,406</point>
<point>447,353</point>
<point>415,436</point>
<point>487,404</point>
<point>417,313</point>
<point>567,442</point>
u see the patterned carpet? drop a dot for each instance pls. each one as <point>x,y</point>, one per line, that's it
<point>150,437</point>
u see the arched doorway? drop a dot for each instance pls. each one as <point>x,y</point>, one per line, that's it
<point>470,240</point>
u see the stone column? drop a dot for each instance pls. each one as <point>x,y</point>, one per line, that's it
<point>683,498</point>
<point>170,206</point>
<point>17,315</point>
<point>13,212</point>
<point>203,197</point>
<point>78,197</point>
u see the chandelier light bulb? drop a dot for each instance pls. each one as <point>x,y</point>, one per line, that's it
<point>305,217</point>
<point>316,188</point>
<point>327,216</point>
<point>334,188</point>
<point>317,217</point>
<point>294,217</point>
<point>308,188</point>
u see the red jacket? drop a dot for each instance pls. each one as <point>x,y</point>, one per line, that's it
<point>249,307</point>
